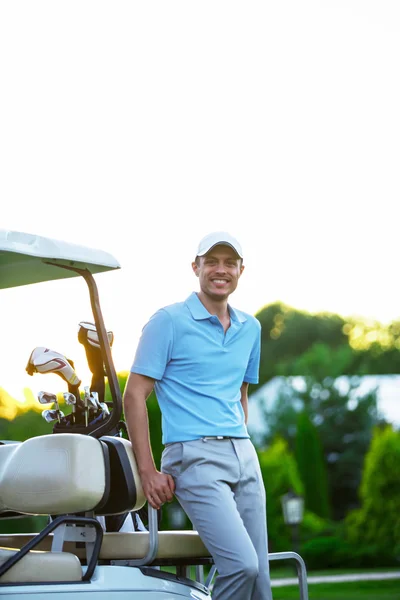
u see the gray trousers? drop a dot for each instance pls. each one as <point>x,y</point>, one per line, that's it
<point>219,486</point>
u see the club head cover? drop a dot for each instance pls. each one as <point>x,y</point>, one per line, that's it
<point>88,336</point>
<point>43,360</point>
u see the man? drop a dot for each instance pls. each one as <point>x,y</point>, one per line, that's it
<point>200,356</point>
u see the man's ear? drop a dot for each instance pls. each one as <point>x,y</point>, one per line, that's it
<point>195,268</point>
<point>241,269</point>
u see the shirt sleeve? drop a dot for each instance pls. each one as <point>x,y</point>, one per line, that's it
<point>155,346</point>
<point>253,366</point>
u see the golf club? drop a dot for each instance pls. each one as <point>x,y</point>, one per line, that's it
<point>51,415</point>
<point>102,406</point>
<point>46,398</point>
<point>70,399</point>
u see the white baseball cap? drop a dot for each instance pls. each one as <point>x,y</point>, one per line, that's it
<point>218,238</point>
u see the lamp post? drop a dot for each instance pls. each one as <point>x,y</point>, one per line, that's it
<point>293,509</point>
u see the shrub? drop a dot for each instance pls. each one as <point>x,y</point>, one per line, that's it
<point>334,551</point>
<point>322,552</point>
<point>314,526</point>
<point>376,524</point>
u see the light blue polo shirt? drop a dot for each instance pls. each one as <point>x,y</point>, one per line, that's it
<point>199,369</point>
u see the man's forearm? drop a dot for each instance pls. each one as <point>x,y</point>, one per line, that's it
<point>244,400</point>
<point>138,428</point>
<point>245,406</point>
<point>158,487</point>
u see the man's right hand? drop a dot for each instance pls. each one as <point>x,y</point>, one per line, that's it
<point>158,488</point>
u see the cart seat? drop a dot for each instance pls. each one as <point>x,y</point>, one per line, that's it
<point>41,566</point>
<point>171,545</point>
<point>184,546</point>
<point>71,473</point>
<point>54,474</point>
<point>58,474</point>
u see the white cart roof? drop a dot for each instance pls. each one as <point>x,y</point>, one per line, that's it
<point>23,259</point>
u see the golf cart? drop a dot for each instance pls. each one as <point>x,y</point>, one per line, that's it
<point>85,470</point>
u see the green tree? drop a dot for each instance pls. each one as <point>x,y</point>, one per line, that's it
<point>319,361</point>
<point>344,422</point>
<point>288,333</point>
<point>294,341</point>
<point>311,464</point>
<point>322,347</point>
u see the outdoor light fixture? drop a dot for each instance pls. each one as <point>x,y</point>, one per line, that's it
<point>293,510</point>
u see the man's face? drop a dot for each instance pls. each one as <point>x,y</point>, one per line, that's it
<point>218,272</point>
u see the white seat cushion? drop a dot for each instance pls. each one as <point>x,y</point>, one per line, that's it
<point>171,544</point>
<point>52,474</point>
<point>41,566</point>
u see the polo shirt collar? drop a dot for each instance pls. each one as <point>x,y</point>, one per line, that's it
<point>236,316</point>
<point>199,311</point>
<point>197,308</point>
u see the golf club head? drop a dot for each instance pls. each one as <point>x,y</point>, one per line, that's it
<point>95,397</point>
<point>46,397</point>
<point>91,402</point>
<point>52,415</point>
<point>69,398</point>
<point>104,409</point>
<point>43,360</point>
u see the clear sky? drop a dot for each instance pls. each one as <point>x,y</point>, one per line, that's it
<point>138,127</point>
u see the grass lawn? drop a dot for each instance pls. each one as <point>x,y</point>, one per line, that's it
<point>359,590</point>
